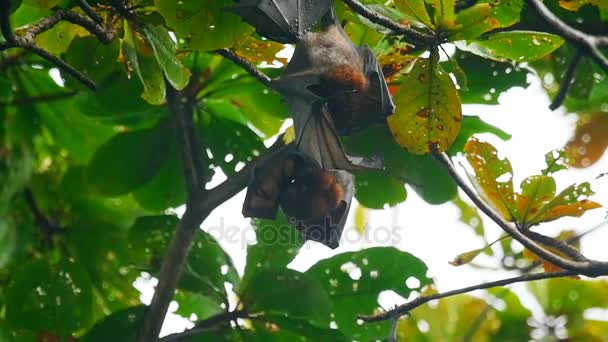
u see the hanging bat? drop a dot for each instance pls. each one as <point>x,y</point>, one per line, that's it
<point>316,201</point>
<point>332,88</point>
<point>284,21</point>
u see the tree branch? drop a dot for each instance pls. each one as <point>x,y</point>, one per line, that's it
<point>206,324</point>
<point>566,81</point>
<point>587,267</point>
<point>245,64</point>
<point>199,205</point>
<point>26,40</point>
<point>586,42</point>
<point>409,33</point>
<point>48,227</point>
<point>407,307</point>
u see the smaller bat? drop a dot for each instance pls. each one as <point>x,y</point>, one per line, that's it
<point>284,21</point>
<point>316,201</point>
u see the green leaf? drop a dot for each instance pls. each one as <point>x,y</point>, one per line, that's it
<point>167,189</point>
<point>290,329</point>
<point>450,319</point>
<point>144,65</point>
<point>472,124</point>
<point>517,46</point>
<point>207,25</point>
<point>486,79</point>
<point>570,297</point>
<point>377,190</point>
<point>207,268</point>
<point>52,297</point>
<point>355,279</point>
<point>124,323</point>
<point>556,161</point>
<point>277,244</point>
<point>536,191</point>
<point>473,22</point>
<point>424,174</point>
<point>58,38</point>
<point>288,293</point>
<point>129,160</point>
<point>416,9</point>
<point>191,303</point>
<point>494,177</point>
<point>506,12</point>
<point>96,60</point>
<point>443,12</point>
<point>118,102</point>
<point>428,110</point>
<point>513,318</point>
<point>164,51</point>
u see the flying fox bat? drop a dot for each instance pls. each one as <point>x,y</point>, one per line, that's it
<point>284,21</point>
<point>315,201</point>
<point>332,88</point>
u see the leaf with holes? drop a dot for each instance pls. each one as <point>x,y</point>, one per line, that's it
<point>494,176</point>
<point>572,201</point>
<point>355,279</point>
<point>288,293</point>
<point>428,110</point>
<point>517,46</point>
<point>556,161</point>
<point>536,192</point>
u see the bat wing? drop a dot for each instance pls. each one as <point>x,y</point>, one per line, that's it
<point>267,181</point>
<point>284,21</point>
<point>316,135</point>
<point>328,230</point>
<point>378,89</point>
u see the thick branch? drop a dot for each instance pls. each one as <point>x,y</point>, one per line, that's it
<point>200,204</point>
<point>245,64</point>
<point>586,42</point>
<point>589,268</point>
<point>406,308</point>
<point>48,227</point>
<point>409,33</point>
<point>566,81</point>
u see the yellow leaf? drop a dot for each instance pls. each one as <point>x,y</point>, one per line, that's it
<point>258,51</point>
<point>361,215</point>
<point>494,176</point>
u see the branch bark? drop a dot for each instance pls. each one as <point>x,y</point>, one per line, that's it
<point>406,308</point>
<point>245,64</point>
<point>416,37</point>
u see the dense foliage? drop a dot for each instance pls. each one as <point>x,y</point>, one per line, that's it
<point>88,178</point>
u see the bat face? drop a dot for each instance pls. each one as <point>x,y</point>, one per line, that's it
<point>316,201</point>
<point>284,21</point>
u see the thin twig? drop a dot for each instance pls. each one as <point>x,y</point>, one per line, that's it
<point>407,307</point>
<point>205,325</point>
<point>245,64</point>
<point>26,39</point>
<point>409,33</point>
<point>566,81</point>
<point>586,42</point>
<point>591,268</point>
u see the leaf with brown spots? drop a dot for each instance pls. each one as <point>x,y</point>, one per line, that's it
<point>536,191</point>
<point>258,51</point>
<point>428,110</point>
<point>494,177</point>
<point>572,201</point>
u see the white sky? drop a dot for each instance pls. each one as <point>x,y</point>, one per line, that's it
<point>433,232</point>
